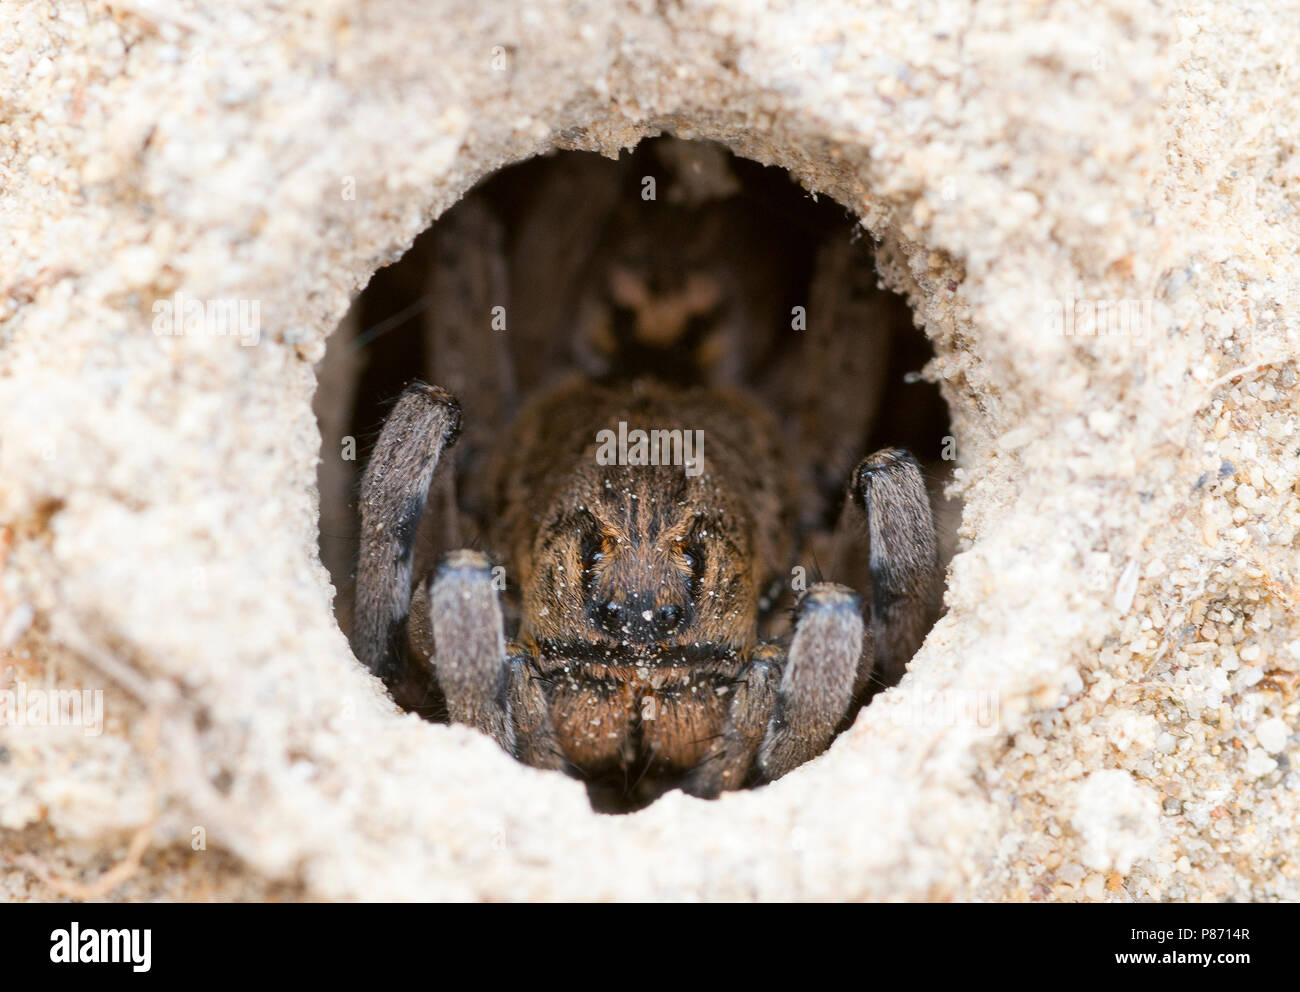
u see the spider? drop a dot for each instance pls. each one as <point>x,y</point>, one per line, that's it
<point>638,642</point>
<point>628,624</point>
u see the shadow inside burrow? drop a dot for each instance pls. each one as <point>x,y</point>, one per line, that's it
<point>522,257</point>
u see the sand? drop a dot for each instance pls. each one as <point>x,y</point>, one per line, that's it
<point>1108,711</point>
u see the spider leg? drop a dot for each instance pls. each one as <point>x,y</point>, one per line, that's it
<point>827,388</point>
<point>817,681</point>
<point>394,488</point>
<point>887,502</point>
<point>469,644</point>
<point>842,364</point>
<point>785,709</point>
<point>487,686</point>
<point>549,262</point>
<point>467,281</point>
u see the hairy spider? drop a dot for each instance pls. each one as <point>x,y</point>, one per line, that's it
<point>629,624</point>
<point>638,649</point>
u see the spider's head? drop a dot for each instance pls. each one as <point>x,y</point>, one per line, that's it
<point>641,582</point>
<point>643,559</point>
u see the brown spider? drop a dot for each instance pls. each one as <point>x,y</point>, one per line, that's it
<point>637,639</point>
<point>638,646</point>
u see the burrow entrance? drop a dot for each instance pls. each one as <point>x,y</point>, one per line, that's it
<point>679,261</point>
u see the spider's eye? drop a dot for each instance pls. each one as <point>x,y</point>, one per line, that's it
<point>591,544</point>
<point>593,550</point>
<point>692,555</point>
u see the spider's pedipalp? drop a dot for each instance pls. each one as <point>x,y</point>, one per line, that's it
<point>888,491</point>
<point>730,761</point>
<point>394,489</point>
<point>528,714</point>
<point>817,681</point>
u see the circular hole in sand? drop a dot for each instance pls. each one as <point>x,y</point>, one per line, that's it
<point>536,237</point>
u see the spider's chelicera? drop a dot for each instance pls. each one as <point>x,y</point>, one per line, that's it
<point>637,657</point>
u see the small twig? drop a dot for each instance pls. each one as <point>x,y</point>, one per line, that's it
<point>102,886</point>
<point>160,698</point>
<point>120,872</point>
<point>1223,380</point>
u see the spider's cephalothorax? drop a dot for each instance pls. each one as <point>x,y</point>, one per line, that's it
<point>637,564</point>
